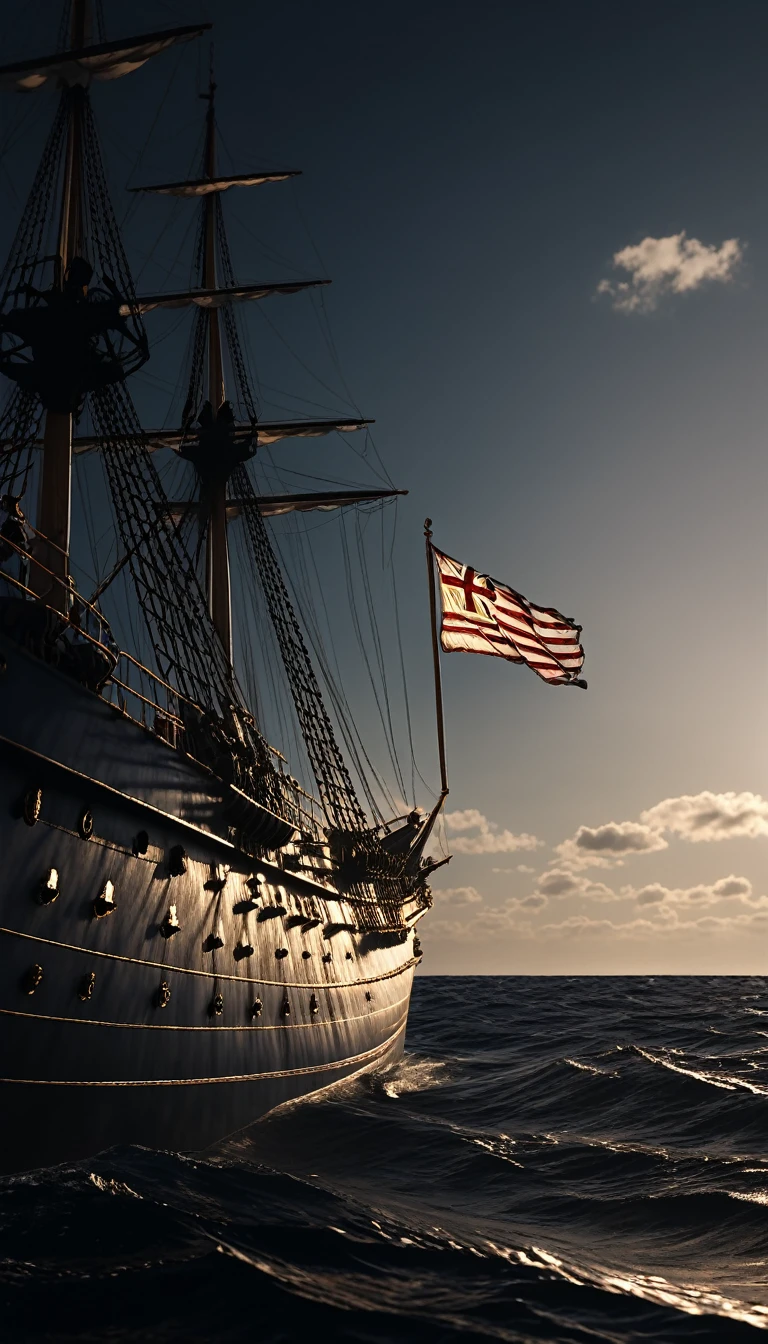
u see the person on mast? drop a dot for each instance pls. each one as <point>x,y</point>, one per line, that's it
<point>14,538</point>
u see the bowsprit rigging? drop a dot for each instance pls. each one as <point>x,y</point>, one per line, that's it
<point>159,856</point>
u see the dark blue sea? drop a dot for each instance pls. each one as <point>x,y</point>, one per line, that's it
<point>554,1159</point>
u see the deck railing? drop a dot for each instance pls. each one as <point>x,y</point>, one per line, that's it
<point>79,641</point>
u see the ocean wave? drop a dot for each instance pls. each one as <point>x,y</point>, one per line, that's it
<point>591,1068</point>
<point>413,1074</point>
<point>552,1162</point>
<point>688,1298</point>
<point>728,1082</point>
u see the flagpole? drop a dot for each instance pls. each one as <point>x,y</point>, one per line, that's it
<point>436,659</point>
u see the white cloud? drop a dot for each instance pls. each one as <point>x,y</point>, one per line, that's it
<point>580,926</point>
<point>711,816</point>
<point>597,891</point>
<point>653,894</point>
<point>673,265</point>
<point>558,882</point>
<point>601,846</point>
<point>655,922</point>
<point>669,924</point>
<point>536,901</point>
<point>730,888</point>
<point>699,818</point>
<point>488,839</point>
<point>458,895</point>
<point>562,882</point>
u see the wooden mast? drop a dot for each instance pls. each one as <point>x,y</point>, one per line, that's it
<point>55,498</point>
<point>218,576</point>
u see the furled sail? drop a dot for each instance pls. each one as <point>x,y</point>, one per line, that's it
<point>106,60</point>
<point>271,506</point>
<point>203,186</point>
<point>262,434</point>
<point>216,298</point>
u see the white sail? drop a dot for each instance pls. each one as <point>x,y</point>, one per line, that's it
<point>107,60</point>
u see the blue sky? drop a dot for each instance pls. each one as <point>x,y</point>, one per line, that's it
<point>470,173</point>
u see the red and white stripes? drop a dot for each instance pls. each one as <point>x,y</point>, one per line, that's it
<point>483,616</point>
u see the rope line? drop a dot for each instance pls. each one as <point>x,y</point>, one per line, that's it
<point>329,1067</point>
<point>211,975</point>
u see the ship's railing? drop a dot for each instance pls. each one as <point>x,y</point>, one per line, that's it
<point>308,808</point>
<point>79,641</point>
<point>51,630</point>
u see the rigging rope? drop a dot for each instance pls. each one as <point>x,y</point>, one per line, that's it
<point>333,781</point>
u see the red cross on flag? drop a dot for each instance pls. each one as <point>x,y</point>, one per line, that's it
<point>483,616</point>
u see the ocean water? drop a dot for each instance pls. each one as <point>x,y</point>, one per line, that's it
<point>570,1160</point>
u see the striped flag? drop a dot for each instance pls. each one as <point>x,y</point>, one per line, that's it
<point>483,616</point>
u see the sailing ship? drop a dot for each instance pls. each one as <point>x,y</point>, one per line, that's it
<point>191,935</point>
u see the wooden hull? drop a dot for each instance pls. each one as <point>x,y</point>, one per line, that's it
<point>78,1074</point>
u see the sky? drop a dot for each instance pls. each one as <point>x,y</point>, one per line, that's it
<point>547,229</point>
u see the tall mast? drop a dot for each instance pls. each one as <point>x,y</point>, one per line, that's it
<point>53,344</point>
<point>215,365</point>
<point>55,500</point>
<point>219,448</point>
<point>218,576</point>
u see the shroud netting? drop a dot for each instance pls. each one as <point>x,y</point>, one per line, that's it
<point>335,787</point>
<point>173,604</point>
<point>333,781</point>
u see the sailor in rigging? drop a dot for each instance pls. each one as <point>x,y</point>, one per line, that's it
<point>14,538</point>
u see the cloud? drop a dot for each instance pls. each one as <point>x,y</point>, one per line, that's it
<point>488,839</point>
<point>711,816</point>
<point>699,818</point>
<point>565,882</point>
<point>458,895</point>
<point>666,912</point>
<point>652,894</point>
<point>588,890</point>
<point>673,265</point>
<point>617,837</point>
<point>725,889</point>
<point>579,926</point>
<point>597,891</point>
<point>582,926</point>
<point>655,922</point>
<point>559,883</point>
<point>732,886</point>
<point>601,846</point>
<point>536,901</point>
